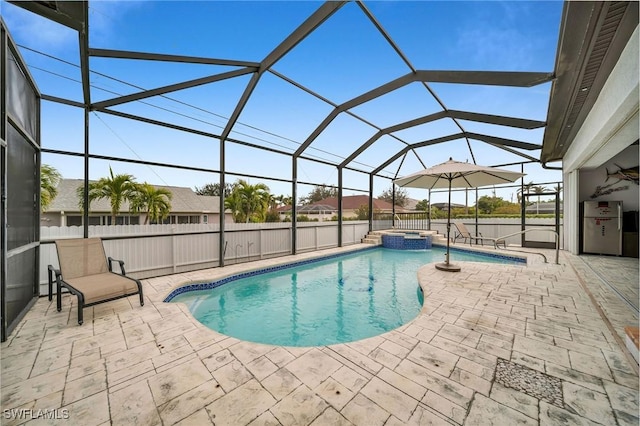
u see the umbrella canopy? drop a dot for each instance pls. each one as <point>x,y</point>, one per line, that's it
<point>455,174</point>
<point>461,175</point>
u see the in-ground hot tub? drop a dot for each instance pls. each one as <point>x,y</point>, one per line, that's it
<point>406,241</point>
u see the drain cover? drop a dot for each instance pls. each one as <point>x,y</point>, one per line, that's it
<point>529,381</point>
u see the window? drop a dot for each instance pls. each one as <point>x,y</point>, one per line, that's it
<point>188,219</point>
<point>181,219</point>
<point>74,220</point>
<point>124,220</point>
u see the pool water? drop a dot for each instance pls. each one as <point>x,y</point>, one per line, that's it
<point>337,300</point>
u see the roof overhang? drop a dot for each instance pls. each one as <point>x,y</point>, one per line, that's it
<point>71,14</point>
<point>592,38</point>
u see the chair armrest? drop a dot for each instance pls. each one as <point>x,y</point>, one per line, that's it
<point>111,260</point>
<point>51,272</point>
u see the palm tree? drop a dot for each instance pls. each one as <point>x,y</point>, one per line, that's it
<point>49,180</point>
<point>234,203</point>
<point>249,202</point>
<point>156,202</point>
<point>262,208</point>
<point>538,190</point>
<point>255,199</point>
<point>281,200</point>
<point>526,189</point>
<point>116,188</point>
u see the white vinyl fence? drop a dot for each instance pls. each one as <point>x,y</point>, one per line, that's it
<point>500,227</point>
<point>154,250</point>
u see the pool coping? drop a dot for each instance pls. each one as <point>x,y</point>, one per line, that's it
<point>234,276</point>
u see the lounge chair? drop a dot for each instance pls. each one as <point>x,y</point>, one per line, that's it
<point>86,272</point>
<point>463,232</point>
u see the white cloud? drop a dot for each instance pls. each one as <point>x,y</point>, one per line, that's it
<point>105,16</point>
<point>35,31</point>
<point>502,44</point>
<point>496,48</point>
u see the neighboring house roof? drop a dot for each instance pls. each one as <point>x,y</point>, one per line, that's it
<point>411,203</point>
<point>353,202</point>
<point>542,207</point>
<point>184,200</point>
<point>445,205</point>
<point>316,208</point>
<point>309,208</point>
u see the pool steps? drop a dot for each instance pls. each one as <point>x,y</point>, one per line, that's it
<point>375,237</point>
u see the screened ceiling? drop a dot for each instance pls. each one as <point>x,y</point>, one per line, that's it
<point>382,88</point>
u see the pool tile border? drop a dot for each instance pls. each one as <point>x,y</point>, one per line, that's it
<point>209,285</point>
<point>186,288</point>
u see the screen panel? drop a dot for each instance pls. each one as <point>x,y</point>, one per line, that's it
<point>22,101</point>
<point>21,203</point>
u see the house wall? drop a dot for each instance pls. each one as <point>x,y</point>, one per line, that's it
<point>592,179</point>
<point>50,219</point>
<point>611,126</point>
<point>211,217</point>
<point>56,219</point>
<point>321,217</point>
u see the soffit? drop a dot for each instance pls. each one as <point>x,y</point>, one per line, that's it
<point>592,38</point>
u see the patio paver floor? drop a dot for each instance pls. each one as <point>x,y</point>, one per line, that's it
<point>157,365</point>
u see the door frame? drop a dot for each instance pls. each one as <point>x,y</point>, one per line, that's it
<point>524,225</point>
<point>7,47</point>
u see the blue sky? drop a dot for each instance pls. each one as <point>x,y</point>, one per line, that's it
<point>345,57</point>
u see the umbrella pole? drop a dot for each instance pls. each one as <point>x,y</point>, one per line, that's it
<point>446,266</point>
<point>446,259</point>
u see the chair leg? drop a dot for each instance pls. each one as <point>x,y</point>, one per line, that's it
<point>50,276</point>
<point>58,294</point>
<point>139,284</point>
<point>80,308</point>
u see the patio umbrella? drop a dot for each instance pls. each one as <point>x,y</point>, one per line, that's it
<point>455,174</point>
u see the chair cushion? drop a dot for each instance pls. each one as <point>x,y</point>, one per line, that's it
<point>99,287</point>
<point>79,257</point>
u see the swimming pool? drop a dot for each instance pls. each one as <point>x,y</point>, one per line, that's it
<point>341,299</point>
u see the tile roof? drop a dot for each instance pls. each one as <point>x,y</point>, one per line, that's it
<point>184,200</point>
<point>353,202</point>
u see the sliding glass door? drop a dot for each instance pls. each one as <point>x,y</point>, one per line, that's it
<point>20,140</point>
